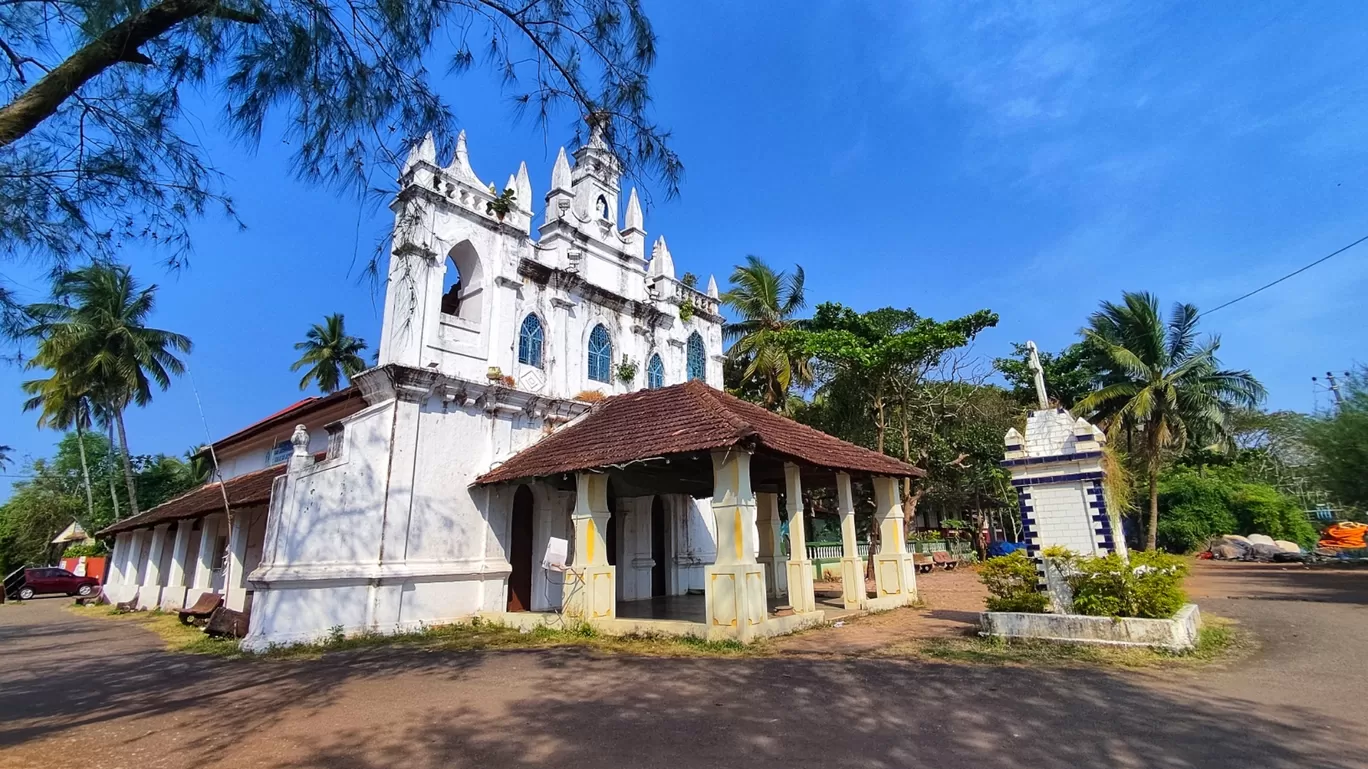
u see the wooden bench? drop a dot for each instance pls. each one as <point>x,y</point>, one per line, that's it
<point>203,607</point>
<point>944,560</point>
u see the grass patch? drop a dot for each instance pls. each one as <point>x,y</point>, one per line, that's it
<point>473,636</point>
<point>1217,641</point>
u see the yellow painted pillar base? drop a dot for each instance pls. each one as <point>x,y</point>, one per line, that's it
<point>800,594</point>
<point>853,582</point>
<point>895,575</point>
<point>735,597</point>
<point>591,593</point>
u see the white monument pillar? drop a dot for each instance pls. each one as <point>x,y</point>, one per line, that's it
<point>591,590</point>
<point>800,592</point>
<point>235,582</point>
<point>852,565</point>
<point>173,595</point>
<point>894,572</point>
<point>204,566</point>
<point>734,586</point>
<point>768,527</point>
<point>149,597</point>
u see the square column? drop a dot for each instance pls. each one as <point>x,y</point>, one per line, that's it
<point>894,572</point>
<point>591,591</point>
<point>235,584</point>
<point>173,595</point>
<point>149,597</point>
<point>734,586</point>
<point>204,566</point>
<point>768,528</point>
<point>852,565</point>
<point>800,594</point>
<point>118,559</point>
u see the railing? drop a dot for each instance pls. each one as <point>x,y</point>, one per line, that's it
<point>833,551</point>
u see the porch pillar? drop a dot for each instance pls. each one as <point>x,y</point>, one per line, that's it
<point>734,586</point>
<point>133,564</point>
<point>591,590</point>
<point>235,583</point>
<point>894,572</point>
<point>852,565</point>
<point>769,528</point>
<point>149,597</point>
<point>204,566</point>
<point>173,595</point>
<point>118,557</point>
<point>800,595</point>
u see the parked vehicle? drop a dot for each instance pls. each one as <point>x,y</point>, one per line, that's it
<point>51,580</point>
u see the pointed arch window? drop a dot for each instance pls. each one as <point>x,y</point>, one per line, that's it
<point>698,359</point>
<point>655,373</point>
<point>600,354</point>
<point>530,338</point>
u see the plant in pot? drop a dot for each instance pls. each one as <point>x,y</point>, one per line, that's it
<point>503,202</point>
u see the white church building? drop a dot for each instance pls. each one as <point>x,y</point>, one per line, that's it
<point>412,499</point>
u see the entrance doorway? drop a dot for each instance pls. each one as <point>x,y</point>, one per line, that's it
<point>658,524</point>
<point>520,552</point>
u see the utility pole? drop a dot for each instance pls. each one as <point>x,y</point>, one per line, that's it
<point>1334,388</point>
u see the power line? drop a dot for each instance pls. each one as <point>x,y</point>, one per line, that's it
<point>1285,277</point>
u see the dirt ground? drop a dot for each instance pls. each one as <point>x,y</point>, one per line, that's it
<point>85,691</point>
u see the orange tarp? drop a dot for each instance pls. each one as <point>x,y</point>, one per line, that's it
<point>1344,536</point>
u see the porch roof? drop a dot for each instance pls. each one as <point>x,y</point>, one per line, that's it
<point>685,419</point>
<point>247,490</point>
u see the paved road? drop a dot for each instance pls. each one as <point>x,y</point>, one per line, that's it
<point>80,691</point>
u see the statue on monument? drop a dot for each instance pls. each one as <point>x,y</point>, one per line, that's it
<point>1034,362</point>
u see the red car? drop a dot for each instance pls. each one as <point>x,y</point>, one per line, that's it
<point>53,580</point>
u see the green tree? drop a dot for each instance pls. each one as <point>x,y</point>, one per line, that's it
<point>1070,374</point>
<point>766,302</point>
<point>5,456</point>
<point>1200,504</point>
<point>94,333</point>
<point>331,355</point>
<point>92,149</point>
<point>1163,380</point>
<point>1339,444</point>
<point>63,403</point>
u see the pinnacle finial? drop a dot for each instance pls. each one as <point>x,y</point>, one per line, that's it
<point>633,220</point>
<point>523,186</point>
<point>712,287</point>
<point>460,162</point>
<point>560,172</point>
<point>661,261</point>
<point>425,150</point>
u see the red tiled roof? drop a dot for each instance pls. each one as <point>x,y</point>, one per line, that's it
<point>684,418</point>
<point>246,490</point>
<point>291,413</point>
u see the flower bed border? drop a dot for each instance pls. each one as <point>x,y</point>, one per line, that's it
<point>1177,634</point>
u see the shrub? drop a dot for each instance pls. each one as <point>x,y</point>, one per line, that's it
<point>1149,586</point>
<point>85,548</point>
<point>1194,507</point>
<point>1011,581</point>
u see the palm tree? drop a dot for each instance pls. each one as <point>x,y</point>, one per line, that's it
<point>766,302</point>
<point>5,456</point>
<point>94,332</point>
<point>331,354</point>
<point>63,404</point>
<point>1162,381</point>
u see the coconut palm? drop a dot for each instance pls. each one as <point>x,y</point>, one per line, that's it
<point>1163,381</point>
<point>766,302</point>
<point>94,332</point>
<point>63,404</point>
<point>5,456</point>
<point>331,354</point>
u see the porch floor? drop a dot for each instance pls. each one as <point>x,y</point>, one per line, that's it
<point>693,607</point>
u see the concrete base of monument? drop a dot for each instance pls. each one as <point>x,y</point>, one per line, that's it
<point>771,626</point>
<point>1177,634</point>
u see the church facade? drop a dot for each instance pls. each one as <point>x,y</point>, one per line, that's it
<point>497,331</point>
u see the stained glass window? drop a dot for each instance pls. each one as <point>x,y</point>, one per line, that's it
<point>698,361</point>
<point>600,354</point>
<point>655,373</point>
<point>530,341</point>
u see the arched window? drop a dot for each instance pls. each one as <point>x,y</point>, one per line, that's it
<point>698,360</point>
<point>530,341</point>
<point>600,354</point>
<point>655,373</point>
<point>462,283</point>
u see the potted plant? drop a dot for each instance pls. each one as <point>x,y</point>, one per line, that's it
<point>626,370</point>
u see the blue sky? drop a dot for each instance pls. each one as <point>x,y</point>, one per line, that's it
<point>1031,158</point>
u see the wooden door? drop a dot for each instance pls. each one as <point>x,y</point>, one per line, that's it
<point>520,552</point>
<point>658,552</point>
